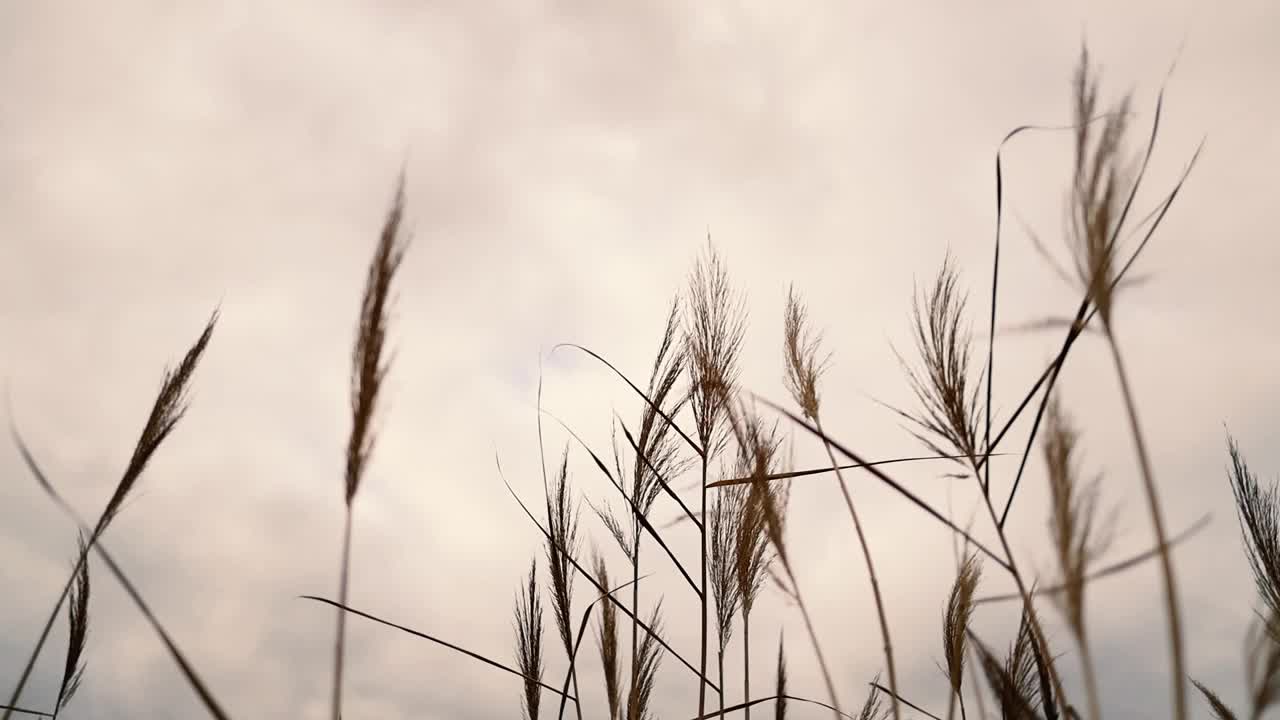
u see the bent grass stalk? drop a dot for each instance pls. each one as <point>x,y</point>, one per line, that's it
<point>803,369</point>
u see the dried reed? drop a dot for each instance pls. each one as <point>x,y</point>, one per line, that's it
<point>713,339</point>
<point>955,628</point>
<point>607,641</point>
<point>528,632</point>
<point>802,371</point>
<point>369,369</point>
<point>1099,208</point>
<point>78,631</point>
<point>562,522</point>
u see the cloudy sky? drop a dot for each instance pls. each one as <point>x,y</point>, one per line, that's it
<point>566,162</point>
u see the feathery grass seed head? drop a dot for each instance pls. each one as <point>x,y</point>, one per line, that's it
<point>714,329</point>
<point>562,543</point>
<point>528,630</point>
<point>169,407</point>
<point>1073,514</point>
<point>724,525</point>
<point>1098,192</point>
<point>1258,511</point>
<point>607,642</point>
<point>77,628</point>
<point>948,413</point>
<point>800,350</point>
<point>369,368</point>
<point>955,621</point>
<point>648,658</point>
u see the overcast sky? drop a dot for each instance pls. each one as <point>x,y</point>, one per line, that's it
<point>566,162</point>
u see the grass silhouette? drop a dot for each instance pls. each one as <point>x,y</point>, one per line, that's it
<point>697,421</point>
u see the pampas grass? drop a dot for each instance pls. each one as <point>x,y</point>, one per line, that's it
<point>1258,512</point>
<point>562,522</point>
<point>1076,538</point>
<point>955,627</point>
<point>713,339</point>
<point>528,632</point>
<point>77,633</point>
<point>724,524</point>
<point>607,643</point>
<point>648,659</point>
<point>1100,205</point>
<point>803,367</point>
<point>741,519</point>
<point>369,368</point>
<point>753,553</point>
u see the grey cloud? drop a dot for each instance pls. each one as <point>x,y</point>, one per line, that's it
<point>566,162</point>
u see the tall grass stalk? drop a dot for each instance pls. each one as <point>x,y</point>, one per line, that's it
<point>948,414</point>
<point>758,446</point>
<point>369,368</point>
<point>713,339</point>
<point>1097,216</point>
<point>803,368</point>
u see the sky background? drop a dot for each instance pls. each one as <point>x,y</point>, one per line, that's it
<point>566,162</point>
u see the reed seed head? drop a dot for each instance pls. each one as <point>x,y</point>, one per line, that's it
<point>528,631</point>
<point>369,367</point>
<point>648,659</point>
<point>1100,186</point>
<point>660,457</point>
<point>725,518</point>
<point>1258,511</point>
<point>562,545</point>
<point>77,628</point>
<point>170,406</point>
<point>955,621</point>
<point>713,338</point>
<point>947,420</point>
<point>607,641</point>
<point>800,351</point>
<point>1077,539</point>
<point>764,507</point>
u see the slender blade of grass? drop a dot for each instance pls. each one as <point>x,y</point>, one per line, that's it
<point>757,701</point>
<point>995,273</point>
<point>880,475</point>
<point>1084,314</point>
<point>25,711</point>
<point>831,469</point>
<point>905,701</point>
<point>1111,569</point>
<point>688,440</point>
<point>425,636</point>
